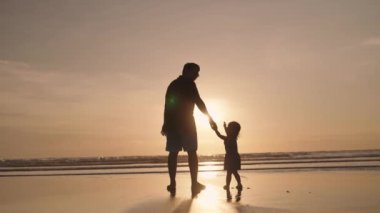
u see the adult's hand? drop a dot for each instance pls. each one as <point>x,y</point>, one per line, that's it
<point>163,130</point>
<point>212,124</point>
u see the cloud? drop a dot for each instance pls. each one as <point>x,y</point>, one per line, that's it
<point>22,81</point>
<point>22,72</point>
<point>14,63</point>
<point>371,42</point>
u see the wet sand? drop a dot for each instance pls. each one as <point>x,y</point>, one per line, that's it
<point>302,191</point>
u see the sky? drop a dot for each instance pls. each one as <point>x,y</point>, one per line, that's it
<point>88,78</point>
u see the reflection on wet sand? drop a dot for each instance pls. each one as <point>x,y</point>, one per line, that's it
<point>333,191</point>
<point>209,200</point>
<point>237,196</point>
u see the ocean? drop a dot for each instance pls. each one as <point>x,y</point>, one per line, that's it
<point>259,162</point>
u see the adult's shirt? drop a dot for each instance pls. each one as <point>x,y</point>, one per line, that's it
<point>181,97</point>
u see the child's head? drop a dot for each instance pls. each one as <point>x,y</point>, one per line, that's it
<point>233,129</point>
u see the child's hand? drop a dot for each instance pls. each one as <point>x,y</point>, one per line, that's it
<point>212,123</point>
<point>214,127</point>
<point>225,125</point>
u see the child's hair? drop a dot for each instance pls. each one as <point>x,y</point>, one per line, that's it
<point>234,128</point>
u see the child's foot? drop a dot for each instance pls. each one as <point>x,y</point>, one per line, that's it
<point>238,198</point>
<point>229,196</point>
<point>196,189</point>
<point>171,189</point>
<point>226,187</point>
<point>239,187</point>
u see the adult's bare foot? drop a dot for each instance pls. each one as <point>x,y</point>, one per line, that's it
<point>196,189</point>
<point>171,189</point>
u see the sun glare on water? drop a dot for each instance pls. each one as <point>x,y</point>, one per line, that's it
<point>208,171</point>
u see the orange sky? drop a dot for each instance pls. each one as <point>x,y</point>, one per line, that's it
<point>88,78</point>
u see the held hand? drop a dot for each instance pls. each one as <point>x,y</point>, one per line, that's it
<point>213,124</point>
<point>163,130</point>
<point>214,127</point>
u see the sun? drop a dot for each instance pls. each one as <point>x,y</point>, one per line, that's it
<point>216,109</point>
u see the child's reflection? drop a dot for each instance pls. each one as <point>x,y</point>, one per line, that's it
<point>237,196</point>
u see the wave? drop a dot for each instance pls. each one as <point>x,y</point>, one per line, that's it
<point>285,161</point>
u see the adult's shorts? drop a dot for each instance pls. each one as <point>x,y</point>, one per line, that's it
<point>178,141</point>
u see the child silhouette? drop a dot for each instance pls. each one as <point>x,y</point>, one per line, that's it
<point>232,161</point>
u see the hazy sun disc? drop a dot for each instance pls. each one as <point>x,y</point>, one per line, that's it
<point>217,111</point>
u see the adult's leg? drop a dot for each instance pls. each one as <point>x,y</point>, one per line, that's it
<point>196,187</point>
<point>193,166</point>
<point>172,167</point>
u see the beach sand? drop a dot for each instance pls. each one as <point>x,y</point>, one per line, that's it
<point>302,191</point>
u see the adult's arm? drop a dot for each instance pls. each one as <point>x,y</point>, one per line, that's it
<point>166,114</point>
<point>199,102</point>
<point>202,106</point>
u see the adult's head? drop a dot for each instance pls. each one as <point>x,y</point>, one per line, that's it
<point>191,71</point>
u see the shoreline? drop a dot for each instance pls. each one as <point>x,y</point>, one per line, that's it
<point>112,160</point>
<point>374,168</point>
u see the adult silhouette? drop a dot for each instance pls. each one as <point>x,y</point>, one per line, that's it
<point>179,124</point>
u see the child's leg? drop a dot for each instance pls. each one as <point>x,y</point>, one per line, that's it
<point>237,177</point>
<point>228,179</point>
